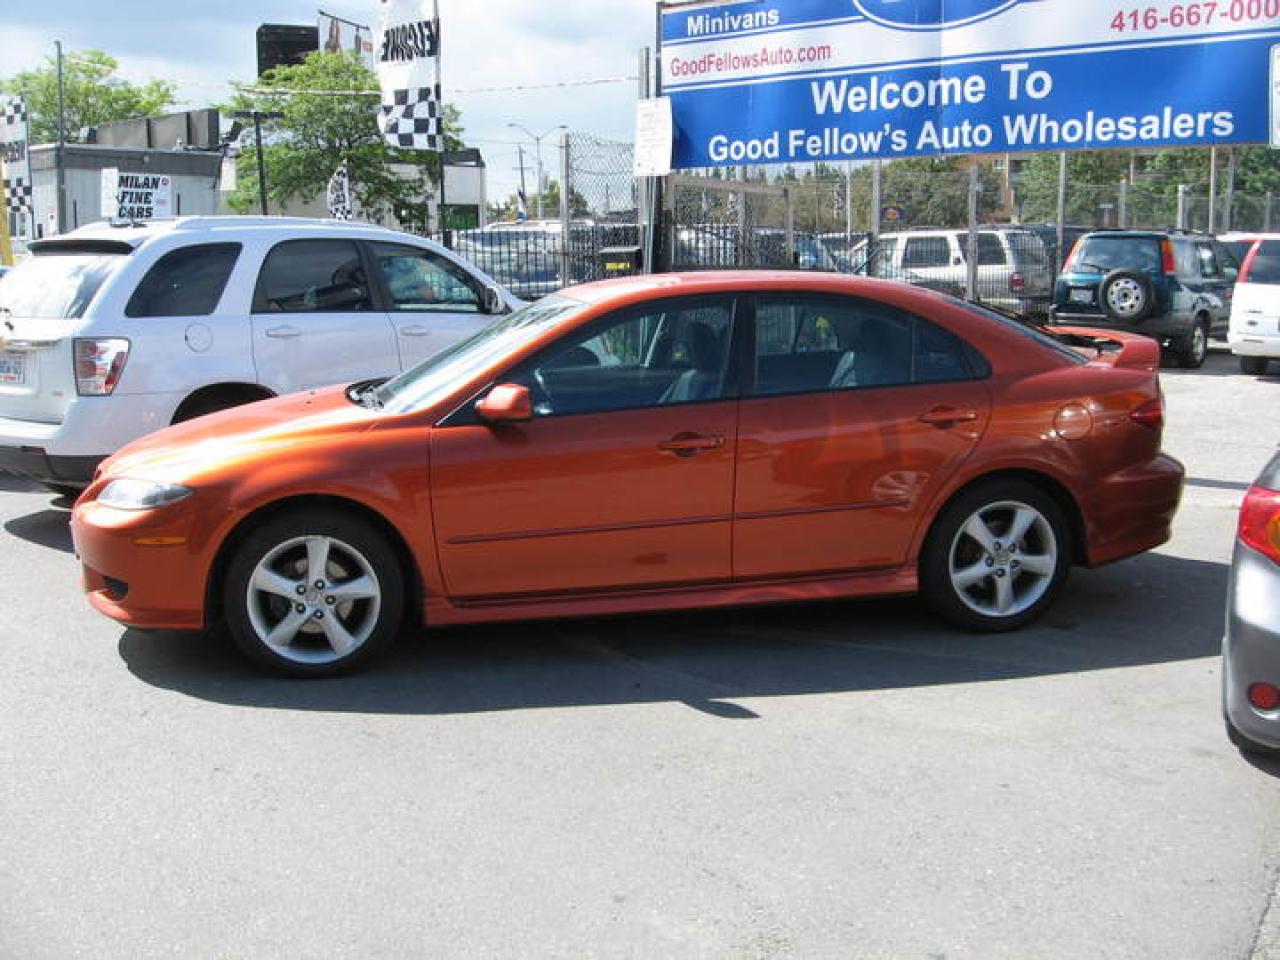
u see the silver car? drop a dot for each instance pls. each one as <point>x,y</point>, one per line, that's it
<point>1251,647</point>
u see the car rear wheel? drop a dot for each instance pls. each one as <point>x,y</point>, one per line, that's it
<point>313,594</point>
<point>1253,366</point>
<point>1193,346</point>
<point>1247,746</point>
<point>996,557</point>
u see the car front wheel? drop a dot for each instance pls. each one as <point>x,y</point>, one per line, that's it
<point>313,593</point>
<point>996,557</point>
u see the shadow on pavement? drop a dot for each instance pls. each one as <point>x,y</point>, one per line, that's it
<point>48,528</point>
<point>1219,363</point>
<point>1152,609</point>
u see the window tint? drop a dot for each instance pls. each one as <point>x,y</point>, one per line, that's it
<point>926,252</point>
<point>313,276</point>
<point>1208,262</point>
<point>1265,266</point>
<point>814,344</point>
<point>56,286</point>
<point>659,355</point>
<point>990,252</point>
<point>1239,249</point>
<point>1106,253</point>
<point>185,283</point>
<point>421,281</point>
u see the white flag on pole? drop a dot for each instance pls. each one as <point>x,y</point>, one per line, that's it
<point>13,152</point>
<point>340,193</point>
<point>408,49</point>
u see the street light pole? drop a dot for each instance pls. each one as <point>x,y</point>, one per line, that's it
<point>257,116</point>
<point>60,173</point>
<point>537,146</point>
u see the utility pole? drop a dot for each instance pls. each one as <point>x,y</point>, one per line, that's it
<point>524,192</point>
<point>537,146</point>
<point>60,166</point>
<point>1213,189</point>
<point>1231,189</point>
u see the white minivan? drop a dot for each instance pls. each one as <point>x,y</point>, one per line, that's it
<point>1254,334</point>
<point>114,331</point>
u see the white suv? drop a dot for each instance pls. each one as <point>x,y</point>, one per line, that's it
<point>112,332</point>
<point>1254,334</point>
<point>1013,268</point>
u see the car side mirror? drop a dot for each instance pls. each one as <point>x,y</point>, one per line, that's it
<point>506,403</point>
<point>492,301</point>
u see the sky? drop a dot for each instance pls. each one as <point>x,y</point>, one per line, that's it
<point>200,46</point>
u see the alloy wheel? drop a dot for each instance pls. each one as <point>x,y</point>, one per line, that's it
<point>1003,559</point>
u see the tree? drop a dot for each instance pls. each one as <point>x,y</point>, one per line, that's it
<point>92,95</point>
<point>319,131</point>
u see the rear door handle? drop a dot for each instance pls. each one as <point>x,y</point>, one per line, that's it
<point>283,333</point>
<point>690,444</point>
<point>946,415</point>
<point>416,332</point>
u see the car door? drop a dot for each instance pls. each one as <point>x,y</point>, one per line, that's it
<point>856,414</point>
<point>314,318</point>
<point>623,478</point>
<point>432,301</point>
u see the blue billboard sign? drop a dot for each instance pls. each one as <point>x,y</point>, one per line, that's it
<point>794,81</point>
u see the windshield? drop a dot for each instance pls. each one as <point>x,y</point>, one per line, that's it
<point>55,286</point>
<point>433,380</point>
<point>1101,254</point>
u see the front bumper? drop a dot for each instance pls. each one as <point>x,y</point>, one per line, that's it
<point>145,569</point>
<point>1251,645</point>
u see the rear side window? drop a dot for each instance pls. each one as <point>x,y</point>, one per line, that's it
<point>185,283</point>
<point>1105,253</point>
<point>56,286</point>
<point>1263,268</point>
<point>1208,261</point>
<point>926,252</point>
<point>313,276</point>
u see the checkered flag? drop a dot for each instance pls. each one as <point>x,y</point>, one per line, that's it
<point>410,119</point>
<point>17,195</point>
<point>340,194</point>
<point>14,114</point>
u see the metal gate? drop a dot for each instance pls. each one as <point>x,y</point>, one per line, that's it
<point>714,224</point>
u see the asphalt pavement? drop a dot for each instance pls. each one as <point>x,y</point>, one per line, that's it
<point>847,780</point>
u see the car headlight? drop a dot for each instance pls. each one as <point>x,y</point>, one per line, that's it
<point>129,494</point>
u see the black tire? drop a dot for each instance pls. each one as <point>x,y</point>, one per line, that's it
<point>1254,366</point>
<point>992,498</point>
<point>1193,347</point>
<point>311,652</point>
<point>1247,746</point>
<point>1138,300</point>
<point>202,405</point>
<point>62,490</point>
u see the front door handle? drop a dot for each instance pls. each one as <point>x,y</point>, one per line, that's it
<point>690,444</point>
<point>283,333</point>
<point>943,416</point>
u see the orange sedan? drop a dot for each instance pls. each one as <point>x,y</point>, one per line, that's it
<point>649,444</point>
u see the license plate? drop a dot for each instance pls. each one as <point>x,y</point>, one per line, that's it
<point>1082,296</point>
<point>13,367</point>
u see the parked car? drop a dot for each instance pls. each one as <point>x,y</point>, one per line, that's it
<point>1251,646</point>
<point>1239,244</point>
<point>1175,287</point>
<point>652,443</point>
<point>866,259</point>
<point>1254,332</point>
<point>1013,270</point>
<point>116,331</point>
<point>1048,234</point>
<point>841,246</point>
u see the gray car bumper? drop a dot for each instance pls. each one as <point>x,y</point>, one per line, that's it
<point>1251,647</point>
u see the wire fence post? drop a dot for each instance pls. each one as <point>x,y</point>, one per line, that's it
<point>566,191</point>
<point>971,243</point>
<point>1123,221</point>
<point>1213,189</point>
<point>1266,212</point>
<point>873,234</point>
<point>1062,210</point>
<point>788,198</point>
<point>1181,223</point>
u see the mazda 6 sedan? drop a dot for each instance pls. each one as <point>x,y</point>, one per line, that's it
<point>648,444</point>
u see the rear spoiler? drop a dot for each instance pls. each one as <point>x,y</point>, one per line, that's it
<point>73,245</point>
<point>1131,351</point>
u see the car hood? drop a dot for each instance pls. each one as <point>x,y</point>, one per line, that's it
<point>209,445</point>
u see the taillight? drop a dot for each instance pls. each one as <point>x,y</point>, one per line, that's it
<point>1070,265</point>
<point>1248,263</point>
<point>99,364</point>
<point>1166,257</point>
<point>1017,283</point>
<point>1150,414</point>
<point>1260,522</point>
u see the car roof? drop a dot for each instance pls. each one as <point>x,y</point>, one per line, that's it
<point>708,282</point>
<point>137,233</point>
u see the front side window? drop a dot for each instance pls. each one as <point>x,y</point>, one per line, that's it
<point>658,355</point>
<point>185,283</point>
<point>313,276</point>
<point>926,252</point>
<point>814,344</point>
<point>421,281</point>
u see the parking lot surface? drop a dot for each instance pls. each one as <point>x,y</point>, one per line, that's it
<point>839,780</point>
